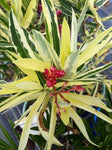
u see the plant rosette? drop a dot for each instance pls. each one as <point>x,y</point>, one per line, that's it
<point>56,72</point>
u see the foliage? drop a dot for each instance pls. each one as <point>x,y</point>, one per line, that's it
<point>59,74</point>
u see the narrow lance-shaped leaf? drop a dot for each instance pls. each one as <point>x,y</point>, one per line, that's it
<point>100,3</point>
<point>93,111</point>
<point>46,50</point>
<point>52,126</point>
<point>26,129</point>
<point>93,72</point>
<point>71,65</point>
<point>31,73</point>
<point>7,135</point>
<point>32,64</point>
<point>74,32</point>
<point>19,38</point>
<point>9,88</point>
<point>5,45</point>
<point>82,15</point>
<point>42,47</point>
<point>65,42</point>
<point>105,49</point>
<point>94,11</point>
<point>80,124</point>
<point>17,8</point>
<point>31,10</point>
<point>95,46</point>
<point>89,100</point>
<point>44,132</point>
<point>51,20</point>
<point>4,34</point>
<point>20,99</point>
<point>9,99</point>
<point>77,82</point>
<point>4,18</point>
<point>5,5</point>
<point>89,108</point>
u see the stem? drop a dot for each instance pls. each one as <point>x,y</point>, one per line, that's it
<point>64,98</point>
<point>58,108</point>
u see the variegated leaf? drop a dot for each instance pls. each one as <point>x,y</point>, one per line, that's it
<point>100,3</point>
<point>19,99</point>
<point>19,38</point>
<point>93,72</point>
<point>82,15</point>
<point>4,18</point>
<point>93,111</point>
<point>51,20</point>
<point>42,47</point>
<point>65,115</point>
<point>44,132</point>
<point>94,11</point>
<point>74,32</point>
<point>31,10</point>
<point>88,100</point>
<point>26,129</point>
<point>5,5</point>
<point>80,124</point>
<point>17,6</point>
<point>71,65</point>
<point>95,46</point>
<point>5,45</point>
<point>32,64</point>
<point>65,42</point>
<point>52,126</point>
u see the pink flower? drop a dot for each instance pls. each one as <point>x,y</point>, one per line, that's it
<point>52,75</point>
<point>59,13</point>
<point>39,8</point>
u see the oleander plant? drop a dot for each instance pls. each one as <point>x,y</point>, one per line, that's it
<point>59,75</point>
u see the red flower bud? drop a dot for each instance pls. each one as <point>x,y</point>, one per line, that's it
<point>52,69</point>
<point>51,76</point>
<point>47,71</point>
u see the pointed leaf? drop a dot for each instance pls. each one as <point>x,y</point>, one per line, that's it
<point>89,100</point>
<point>74,32</point>
<point>82,15</point>
<point>95,46</point>
<point>7,135</point>
<point>52,126</point>
<point>17,6</point>
<point>4,18</point>
<point>20,99</point>
<point>94,11</point>
<point>60,84</point>
<point>5,45</point>
<point>44,132</point>
<point>93,111</point>
<point>71,65</point>
<point>65,115</point>
<point>32,64</point>
<point>31,10</point>
<point>93,72</point>
<point>51,20</point>
<point>80,124</point>
<point>5,5</point>
<point>65,42</point>
<point>9,88</point>
<point>28,85</point>
<point>42,47</point>
<point>26,129</point>
<point>19,38</point>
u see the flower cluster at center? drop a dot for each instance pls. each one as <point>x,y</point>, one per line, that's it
<point>52,76</point>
